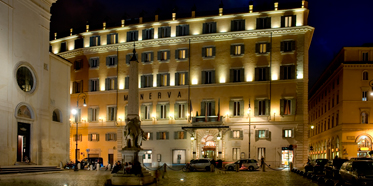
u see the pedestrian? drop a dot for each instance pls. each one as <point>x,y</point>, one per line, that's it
<point>164,170</point>
<point>263,164</point>
<point>212,166</point>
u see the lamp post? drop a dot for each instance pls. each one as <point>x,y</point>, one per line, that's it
<point>248,112</point>
<point>74,112</point>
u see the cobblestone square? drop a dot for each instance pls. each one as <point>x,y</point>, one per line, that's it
<point>178,178</point>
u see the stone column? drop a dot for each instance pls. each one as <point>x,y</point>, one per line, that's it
<point>133,92</point>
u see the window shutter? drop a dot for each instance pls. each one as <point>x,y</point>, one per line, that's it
<point>282,21</point>
<point>168,31</point>
<point>293,20</point>
<point>268,105</point>
<point>143,57</point>
<point>151,80</point>
<point>90,85</point>
<point>230,134</point>
<point>152,56</point>
<point>176,54</point>
<point>159,55</point>
<point>176,111</point>
<point>167,135</point>
<point>96,82</point>
<point>142,82</point>
<point>203,107</point>
<point>168,79</point>
<point>213,76</point>
<point>242,49</point>
<point>213,51</point>
<point>268,47</point>
<point>292,71</point>
<point>90,62</point>
<point>125,112</point>
<point>267,134</point>
<point>282,109</point>
<point>136,35</point>
<point>204,25</point>
<point>257,74</point>
<point>293,106</point>
<point>203,77</point>
<point>186,53</point>
<point>256,108</point>
<point>268,22</point>
<point>107,60</point>
<point>213,27</point>
<point>292,45</point>
<point>186,30</point>
<point>126,82</point>
<point>231,75</point>
<point>185,134</point>
<point>213,108</point>
<point>232,26</point>
<point>175,135</point>
<point>256,134</point>
<point>292,133</point>
<point>115,60</point>
<point>107,83</point>
<point>160,32</point>
<point>242,108</point>
<point>115,83</point>
<point>267,69</point>
<point>158,133</point>
<point>99,40</point>
<point>158,80</point>
<point>186,78</point>
<point>128,58</point>
<point>151,33</point>
<point>177,79</point>
<point>282,46</point>
<point>178,30</point>
<point>232,49</point>
<point>89,114</point>
<point>185,110</point>
<point>283,133</point>
<point>231,107</point>
<point>107,137</point>
<point>241,134</point>
<point>242,75</point>
<point>257,48</point>
<point>108,39</point>
<point>168,55</point>
<point>242,24</point>
<point>151,136</point>
<point>158,110</point>
<point>142,112</point>
<point>203,52</point>
<point>258,23</point>
<point>89,137</point>
<point>282,72</point>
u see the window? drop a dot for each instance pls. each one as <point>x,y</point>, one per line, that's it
<point>237,25</point>
<point>94,62</point>
<point>147,57</point>
<point>181,54</point>
<point>237,134</point>
<point>365,56</point>
<point>262,74</point>
<point>93,114</point>
<point>235,154</point>
<point>237,50</point>
<point>146,110</point>
<point>111,61</point>
<point>337,119</point>
<point>364,118</point>
<point>148,34</point>
<point>77,65</point>
<point>262,133</point>
<point>182,30</point>
<point>181,78</point>
<point>261,152</point>
<point>146,81</point>
<point>208,77</point>
<point>63,47</point>
<point>132,35</point>
<point>365,75</point>
<point>163,55</point>
<point>111,113</point>
<point>288,21</point>
<point>287,46</point>
<point>25,79</point>
<point>111,83</point>
<point>208,28</point>
<point>93,85</point>
<point>163,80</point>
<point>261,107</point>
<point>237,75</point>
<point>112,38</point>
<point>56,116</point>
<point>94,41</point>
<point>162,135</point>
<point>111,137</point>
<point>77,87</point>
<point>163,112</point>
<point>287,72</point>
<point>129,57</point>
<point>78,43</point>
<point>287,107</point>
<point>364,96</point>
<point>79,137</point>
<point>180,135</point>
<point>288,133</point>
<point>164,31</point>
<point>148,135</point>
<point>208,107</point>
<point>126,82</point>
<point>236,107</point>
<point>181,110</point>
<point>263,22</point>
<point>208,52</point>
<point>93,137</point>
<point>262,48</point>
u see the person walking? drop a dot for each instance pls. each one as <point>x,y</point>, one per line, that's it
<point>164,170</point>
<point>263,164</point>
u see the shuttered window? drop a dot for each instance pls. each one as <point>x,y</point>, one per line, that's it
<point>237,50</point>
<point>93,85</point>
<point>262,48</point>
<point>149,135</point>
<point>163,80</point>
<point>180,135</point>
<point>148,34</point>
<point>208,28</point>
<point>112,38</point>
<point>164,32</point>
<point>162,136</point>
<point>163,55</point>
<point>262,74</point>
<point>94,41</point>
<point>182,30</point>
<point>79,137</point>
<point>288,133</point>
<point>208,52</point>
<point>288,21</point>
<point>208,108</point>
<point>111,83</point>
<point>181,54</point>
<point>77,87</point>
<point>208,77</point>
<point>181,78</point>
<point>111,61</point>
<point>238,25</point>
<point>180,110</point>
<point>287,46</point>
<point>146,81</point>
<point>111,137</point>
<point>94,62</point>
<point>287,107</point>
<point>236,134</point>
<point>78,65</point>
<point>263,22</point>
<point>261,107</point>
<point>262,134</point>
<point>236,107</point>
<point>237,75</point>
<point>132,36</point>
<point>287,72</point>
<point>147,57</point>
<point>111,113</point>
<point>146,111</point>
<point>93,137</point>
<point>93,114</point>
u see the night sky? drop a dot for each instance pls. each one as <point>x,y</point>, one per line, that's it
<point>338,23</point>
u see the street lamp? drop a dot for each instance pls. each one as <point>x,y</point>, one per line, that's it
<point>75,112</point>
<point>248,112</point>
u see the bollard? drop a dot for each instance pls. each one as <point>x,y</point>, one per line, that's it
<point>78,166</point>
<point>291,165</point>
<point>61,166</point>
<point>109,167</point>
<point>98,166</point>
<point>90,167</point>
<point>237,167</point>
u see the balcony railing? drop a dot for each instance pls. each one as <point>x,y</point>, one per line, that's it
<point>206,119</point>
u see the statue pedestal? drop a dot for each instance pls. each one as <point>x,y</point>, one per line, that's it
<point>121,178</point>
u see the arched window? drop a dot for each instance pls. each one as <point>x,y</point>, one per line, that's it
<point>365,75</point>
<point>337,142</point>
<point>56,116</point>
<point>24,112</point>
<point>364,141</point>
<point>364,118</point>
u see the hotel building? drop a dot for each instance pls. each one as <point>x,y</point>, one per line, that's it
<point>226,86</point>
<point>339,106</point>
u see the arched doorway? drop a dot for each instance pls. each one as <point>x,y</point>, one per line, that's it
<point>208,147</point>
<point>24,115</point>
<point>364,145</point>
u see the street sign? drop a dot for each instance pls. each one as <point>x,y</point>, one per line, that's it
<point>88,150</point>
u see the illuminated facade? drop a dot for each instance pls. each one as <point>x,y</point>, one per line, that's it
<point>340,104</point>
<point>223,64</point>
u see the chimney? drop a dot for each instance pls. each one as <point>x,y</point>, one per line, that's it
<point>174,14</point>
<point>55,35</point>
<point>275,3</point>
<point>221,8</point>
<point>87,27</point>
<point>251,6</point>
<point>304,4</point>
<point>122,22</point>
<point>104,25</point>
<point>71,31</point>
<point>141,16</point>
<point>194,11</point>
<point>157,14</point>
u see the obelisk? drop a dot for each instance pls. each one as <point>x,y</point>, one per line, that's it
<point>133,92</point>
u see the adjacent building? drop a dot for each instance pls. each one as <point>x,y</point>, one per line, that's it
<point>34,96</point>
<point>226,86</point>
<point>340,104</point>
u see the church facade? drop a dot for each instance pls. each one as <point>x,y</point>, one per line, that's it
<point>226,86</point>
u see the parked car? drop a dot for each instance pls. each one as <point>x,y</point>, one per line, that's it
<point>248,164</point>
<point>320,165</point>
<point>357,172</point>
<point>361,158</point>
<point>92,161</point>
<point>333,166</point>
<point>201,164</point>
<point>309,166</point>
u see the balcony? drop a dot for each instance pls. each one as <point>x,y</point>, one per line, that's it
<point>200,119</point>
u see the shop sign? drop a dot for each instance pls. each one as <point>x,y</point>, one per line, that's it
<point>364,148</point>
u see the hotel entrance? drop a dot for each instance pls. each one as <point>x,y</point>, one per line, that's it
<point>23,142</point>
<point>209,147</point>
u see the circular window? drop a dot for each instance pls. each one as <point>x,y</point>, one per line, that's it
<point>25,79</point>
